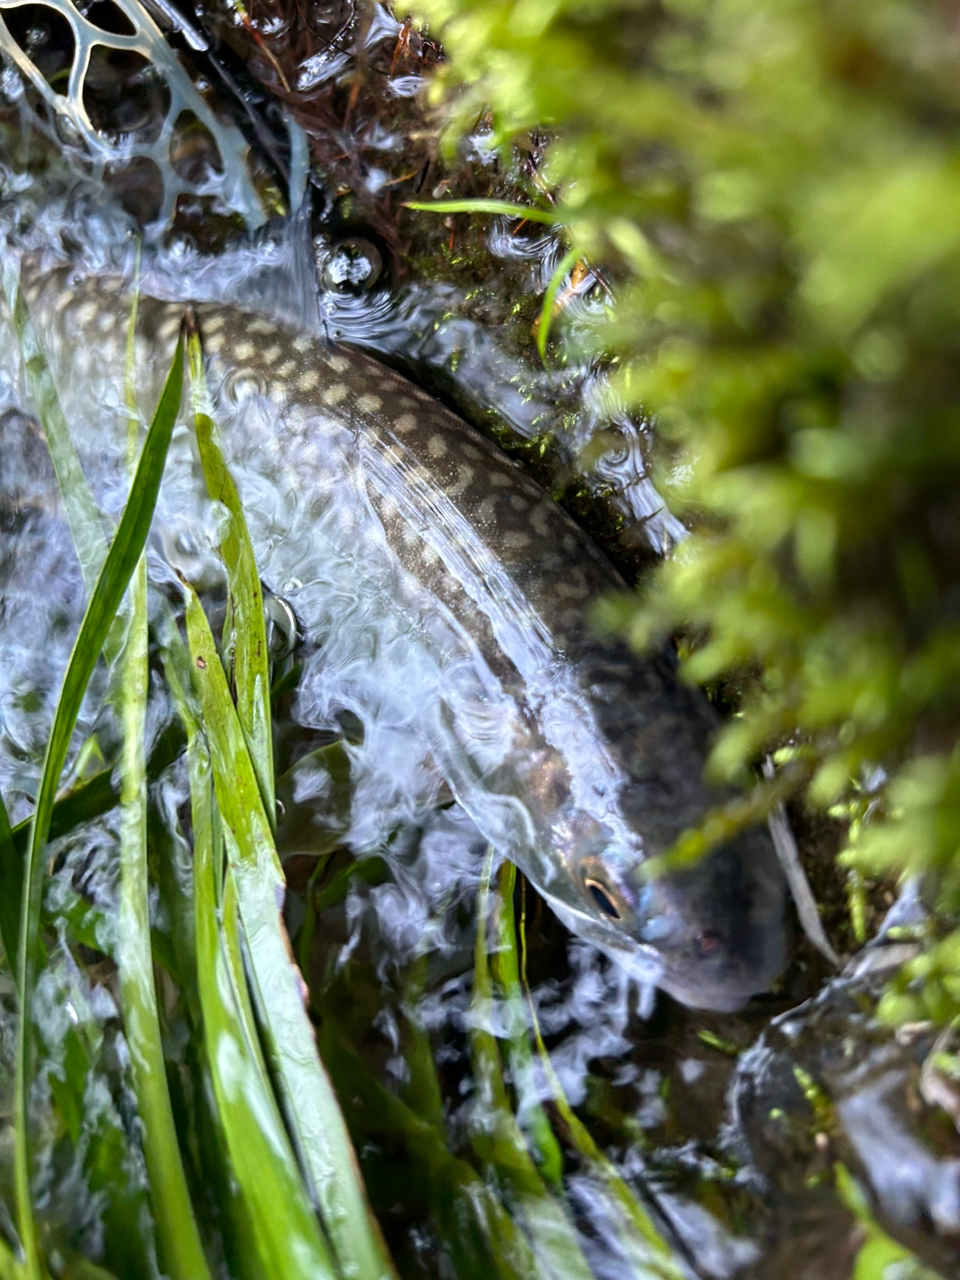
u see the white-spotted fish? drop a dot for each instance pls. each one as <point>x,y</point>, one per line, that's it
<point>577,757</point>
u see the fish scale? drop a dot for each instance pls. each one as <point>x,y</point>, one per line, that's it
<point>594,754</point>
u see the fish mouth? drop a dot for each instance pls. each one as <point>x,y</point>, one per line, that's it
<point>731,984</point>
<point>722,968</point>
<point>725,993</point>
<point>719,999</point>
<point>720,925</point>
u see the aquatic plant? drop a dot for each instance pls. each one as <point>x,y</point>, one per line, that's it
<point>774,187</point>
<point>222,980</point>
<point>704,314</point>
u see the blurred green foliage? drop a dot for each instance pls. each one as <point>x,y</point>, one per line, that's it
<point>776,184</point>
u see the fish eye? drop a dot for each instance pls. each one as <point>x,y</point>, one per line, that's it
<point>603,898</point>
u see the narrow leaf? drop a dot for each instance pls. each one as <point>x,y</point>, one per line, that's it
<point>647,1245</point>
<point>505,964</point>
<point>84,519</point>
<point>310,1105</point>
<point>11,877</point>
<point>498,1138</point>
<point>503,207</point>
<point>179,1238</point>
<point>105,599</point>
<point>458,1195</point>
<point>283,1226</point>
<point>95,796</point>
<point>550,298</point>
<point>246,635</point>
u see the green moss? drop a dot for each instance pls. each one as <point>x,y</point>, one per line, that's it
<point>777,185</point>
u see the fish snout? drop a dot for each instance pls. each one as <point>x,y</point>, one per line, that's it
<point>719,926</point>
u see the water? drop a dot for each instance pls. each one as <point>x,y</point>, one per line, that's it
<point>394,897</point>
<point>387,876</point>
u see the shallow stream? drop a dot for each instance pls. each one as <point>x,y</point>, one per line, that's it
<point>713,1145</point>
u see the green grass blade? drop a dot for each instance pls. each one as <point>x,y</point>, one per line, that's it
<point>505,966</point>
<point>247,629</point>
<point>310,1105</point>
<point>86,530</point>
<point>457,1194</point>
<point>95,796</point>
<point>10,1266</point>
<point>104,602</point>
<point>503,207</point>
<point>283,1227</point>
<point>550,297</point>
<point>77,1267</point>
<point>652,1253</point>
<point>879,1256</point>
<point>11,877</point>
<point>421,1092</point>
<point>498,1138</point>
<point>177,1232</point>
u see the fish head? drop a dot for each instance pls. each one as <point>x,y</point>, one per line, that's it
<point>711,935</point>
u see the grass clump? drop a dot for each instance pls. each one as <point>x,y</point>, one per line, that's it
<point>776,186</point>
<point>250,1080</point>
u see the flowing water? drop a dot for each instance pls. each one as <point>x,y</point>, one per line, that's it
<point>388,878</point>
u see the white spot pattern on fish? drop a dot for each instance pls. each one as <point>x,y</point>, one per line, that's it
<point>624,741</point>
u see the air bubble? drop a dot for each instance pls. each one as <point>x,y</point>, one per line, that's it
<point>46,38</point>
<point>353,266</point>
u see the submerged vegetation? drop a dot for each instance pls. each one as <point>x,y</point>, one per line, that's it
<point>764,196</point>
<point>776,187</point>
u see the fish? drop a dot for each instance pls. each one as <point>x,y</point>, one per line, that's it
<point>577,757</point>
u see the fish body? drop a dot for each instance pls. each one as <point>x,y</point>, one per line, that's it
<point>576,757</point>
